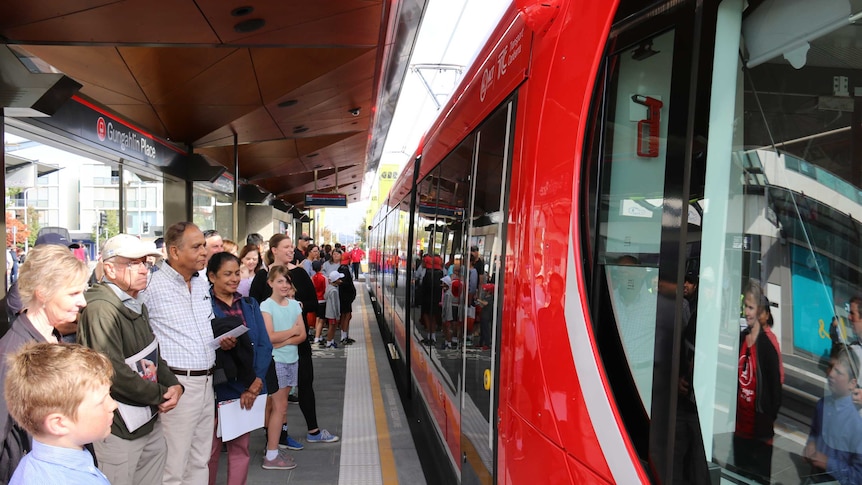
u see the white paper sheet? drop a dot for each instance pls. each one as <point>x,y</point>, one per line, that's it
<point>236,332</point>
<point>233,421</point>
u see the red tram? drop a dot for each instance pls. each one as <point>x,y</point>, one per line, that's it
<point>605,171</point>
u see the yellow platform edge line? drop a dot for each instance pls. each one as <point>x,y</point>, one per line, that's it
<point>384,445</point>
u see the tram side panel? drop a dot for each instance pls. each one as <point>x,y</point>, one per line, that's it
<point>541,389</point>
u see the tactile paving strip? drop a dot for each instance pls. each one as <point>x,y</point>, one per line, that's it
<point>360,456</point>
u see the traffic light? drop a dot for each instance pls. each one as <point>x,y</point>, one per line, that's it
<point>145,227</point>
<point>103,219</point>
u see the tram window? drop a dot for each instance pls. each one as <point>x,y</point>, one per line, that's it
<point>632,198</point>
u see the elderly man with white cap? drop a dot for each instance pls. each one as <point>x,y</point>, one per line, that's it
<point>115,323</point>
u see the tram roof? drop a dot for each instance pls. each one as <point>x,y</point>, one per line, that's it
<point>182,70</point>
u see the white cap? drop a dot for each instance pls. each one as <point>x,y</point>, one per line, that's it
<point>335,276</point>
<point>127,246</point>
<point>446,280</point>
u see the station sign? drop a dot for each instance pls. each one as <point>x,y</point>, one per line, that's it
<point>314,200</point>
<point>83,121</point>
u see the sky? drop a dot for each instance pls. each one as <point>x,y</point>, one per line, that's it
<point>452,32</point>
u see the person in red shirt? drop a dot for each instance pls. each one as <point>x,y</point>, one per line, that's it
<point>357,257</point>
<point>758,393</point>
<point>319,281</point>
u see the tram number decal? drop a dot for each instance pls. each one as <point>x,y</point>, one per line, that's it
<point>648,129</point>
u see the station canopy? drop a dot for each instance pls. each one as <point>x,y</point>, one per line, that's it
<point>306,86</point>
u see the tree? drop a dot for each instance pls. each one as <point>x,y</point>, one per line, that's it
<point>16,231</point>
<point>112,228</point>
<point>11,194</point>
<point>33,224</point>
<point>361,232</point>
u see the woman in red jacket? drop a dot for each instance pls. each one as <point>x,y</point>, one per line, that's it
<point>758,393</point>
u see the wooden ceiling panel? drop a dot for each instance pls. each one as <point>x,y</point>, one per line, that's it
<point>122,22</point>
<point>108,97</point>
<point>254,127</point>
<point>280,71</point>
<point>144,115</point>
<point>358,27</point>
<point>284,18</point>
<point>190,122</point>
<point>229,82</point>
<point>160,70</point>
<point>347,179</point>
<point>323,144</point>
<point>327,103</point>
<point>97,66</point>
<point>21,13</point>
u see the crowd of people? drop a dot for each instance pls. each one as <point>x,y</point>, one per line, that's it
<point>448,292</point>
<point>167,335</point>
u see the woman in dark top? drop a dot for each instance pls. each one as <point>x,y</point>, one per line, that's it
<point>223,271</point>
<point>281,252</point>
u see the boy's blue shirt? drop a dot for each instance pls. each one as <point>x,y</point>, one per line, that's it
<point>57,466</point>
<point>837,432</point>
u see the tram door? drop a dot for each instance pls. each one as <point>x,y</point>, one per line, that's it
<point>482,272</point>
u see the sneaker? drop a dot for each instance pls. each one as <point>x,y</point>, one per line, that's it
<point>291,444</point>
<point>322,437</point>
<point>280,462</point>
<point>322,344</point>
<point>347,341</point>
<point>292,397</point>
<point>332,345</point>
<point>350,341</point>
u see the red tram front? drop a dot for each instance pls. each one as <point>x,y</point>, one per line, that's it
<point>621,212</point>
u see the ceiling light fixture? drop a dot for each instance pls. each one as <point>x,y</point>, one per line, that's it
<point>300,129</point>
<point>249,25</point>
<point>241,11</point>
<point>288,103</point>
<point>312,155</point>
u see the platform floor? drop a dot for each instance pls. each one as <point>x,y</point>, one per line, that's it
<point>356,400</point>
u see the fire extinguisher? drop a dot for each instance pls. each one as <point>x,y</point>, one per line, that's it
<point>648,129</point>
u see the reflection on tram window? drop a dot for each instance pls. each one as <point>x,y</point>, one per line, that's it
<point>635,290</point>
<point>785,194</point>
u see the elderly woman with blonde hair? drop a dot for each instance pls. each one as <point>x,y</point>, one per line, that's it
<point>51,284</point>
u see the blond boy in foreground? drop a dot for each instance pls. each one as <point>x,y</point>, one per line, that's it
<point>60,393</point>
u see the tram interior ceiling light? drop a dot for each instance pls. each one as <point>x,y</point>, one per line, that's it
<point>787,28</point>
<point>355,111</point>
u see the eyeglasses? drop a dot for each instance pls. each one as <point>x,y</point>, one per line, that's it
<point>135,265</point>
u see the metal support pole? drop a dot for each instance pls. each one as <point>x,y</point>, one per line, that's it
<point>235,187</point>
<point>121,212</point>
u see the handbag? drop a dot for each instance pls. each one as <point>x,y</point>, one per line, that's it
<point>271,378</point>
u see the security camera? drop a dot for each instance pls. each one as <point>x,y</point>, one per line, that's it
<point>355,111</point>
